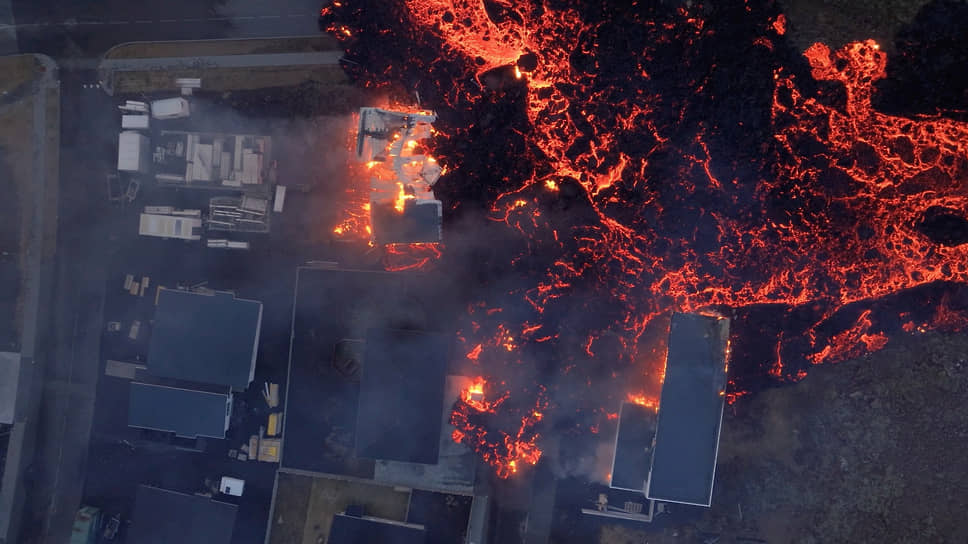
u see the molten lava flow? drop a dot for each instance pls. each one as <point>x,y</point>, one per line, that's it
<point>506,452</point>
<point>643,160</point>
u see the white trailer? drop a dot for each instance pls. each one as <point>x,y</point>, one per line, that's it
<point>169,226</point>
<point>170,108</point>
<point>134,122</point>
<point>133,152</point>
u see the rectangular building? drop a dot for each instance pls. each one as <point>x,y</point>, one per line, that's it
<point>162,517</point>
<point>185,412</point>
<point>633,447</point>
<point>209,338</point>
<point>690,411</point>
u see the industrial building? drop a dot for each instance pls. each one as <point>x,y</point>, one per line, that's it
<point>403,208</point>
<point>690,417</point>
<point>162,517</point>
<point>633,446</point>
<point>189,413</point>
<point>401,395</point>
<point>367,408</point>
<point>209,338</point>
<point>669,455</point>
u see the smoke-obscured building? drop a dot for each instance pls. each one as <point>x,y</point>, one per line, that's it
<point>162,517</point>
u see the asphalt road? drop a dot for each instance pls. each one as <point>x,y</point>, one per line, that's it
<point>87,28</point>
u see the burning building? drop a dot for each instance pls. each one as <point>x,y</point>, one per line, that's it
<point>668,452</point>
<point>392,145</point>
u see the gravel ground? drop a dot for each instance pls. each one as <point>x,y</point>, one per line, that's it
<point>836,22</point>
<point>865,451</point>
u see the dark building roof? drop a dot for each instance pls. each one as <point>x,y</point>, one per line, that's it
<point>357,530</point>
<point>185,412</point>
<point>633,447</point>
<point>401,395</point>
<point>205,338</point>
<point>690,411</point>
<point>419,222</point>
<point>162,517</point>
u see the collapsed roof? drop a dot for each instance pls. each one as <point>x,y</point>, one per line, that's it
<point>403,208</point>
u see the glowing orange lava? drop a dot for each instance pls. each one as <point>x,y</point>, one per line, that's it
<point>822,217</point>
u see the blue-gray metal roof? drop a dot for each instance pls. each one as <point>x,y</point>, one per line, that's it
<point>357,530</point>
<point>690,411</point>
<point>401,395</point>
<point>162,517</point>
<point>205,338</point>
<point>185,412</point>
<point>633,447</point>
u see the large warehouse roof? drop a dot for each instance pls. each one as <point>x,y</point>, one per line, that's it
<point>205,338</point>
<point>690,411</point>
<point>401,395</point>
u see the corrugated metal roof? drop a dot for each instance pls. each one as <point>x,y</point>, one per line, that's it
<point>690,411</point>
<point>205,338</point>
<point>185,412</point>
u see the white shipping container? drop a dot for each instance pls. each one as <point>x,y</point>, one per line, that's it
<point>280,199</point>
<point>134,122</point>
<point>133,152</point>
<point>170,108</point>
<point>169,226</point>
